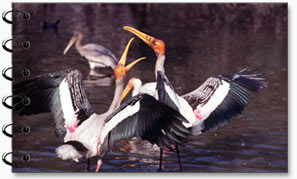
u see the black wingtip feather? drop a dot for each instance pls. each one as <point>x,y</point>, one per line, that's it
<point>248,79</point>
<point>233,104</point>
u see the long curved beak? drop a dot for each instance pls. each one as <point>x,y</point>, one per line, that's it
<point>125,53</point>
<point>120,69</point>
<point>71,42</point>
<point>124,57</point>
<point>146,38</point>
<point>126,91</point>
<point>128,67</point>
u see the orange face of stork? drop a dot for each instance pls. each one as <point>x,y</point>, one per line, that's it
<point>157,45</point>
<point>120,70</point>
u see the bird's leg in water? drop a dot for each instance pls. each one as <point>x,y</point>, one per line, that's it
<point>98,165</point>
<point>161,157</point>
<point>178,157</point>
<point>89,165</point>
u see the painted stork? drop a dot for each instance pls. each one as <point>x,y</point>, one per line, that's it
<point>87,134</point>
<point>97,55</point>
<point>215,102</point>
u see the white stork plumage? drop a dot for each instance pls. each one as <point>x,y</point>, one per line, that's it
<point>215,102</point>
<point>97,55</point>
<point>87,134</point>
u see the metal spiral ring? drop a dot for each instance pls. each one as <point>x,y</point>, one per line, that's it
<point>25,100</point>
<point>26,15</point>
<point>4,158</point>
<point>26,158</point>
<point>25,129</point>
<point>25,72</point>
<point>5,132</point>
<point>25,43</point>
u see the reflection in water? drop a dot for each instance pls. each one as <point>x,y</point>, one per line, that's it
<point>102,80</point>
<point>202,40</point>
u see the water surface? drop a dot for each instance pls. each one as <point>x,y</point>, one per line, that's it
<point>202,40</point>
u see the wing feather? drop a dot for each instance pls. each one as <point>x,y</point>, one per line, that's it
<point>166,93</point>
<point>151,120</point>
<point>227,105</point>
<point>45,95</point>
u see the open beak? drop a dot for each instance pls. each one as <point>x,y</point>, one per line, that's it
<point>146,38</point>
<point>120,69</point>
<point>125,53</point>
<point>71,42</point>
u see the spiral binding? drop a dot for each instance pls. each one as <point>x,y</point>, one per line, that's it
<point>25,73</point>
<point>26,15</point>
<point>25,43</point>
<point>26,157</point>
<point>25,128</point>
<point>25,100</point>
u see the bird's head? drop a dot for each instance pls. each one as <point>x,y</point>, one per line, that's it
<point>120,70</point>
<point>132,83</point>
<point>157,45</point>
<point>77,35</point>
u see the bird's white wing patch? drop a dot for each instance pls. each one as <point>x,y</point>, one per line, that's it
<point>216,99</point>
<point>66,104</point>
<point>172,95</point>
<point>187,112</point>
<point>119,117</point>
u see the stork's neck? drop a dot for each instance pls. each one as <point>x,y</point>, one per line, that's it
<point>117,95</point>
<point>160,64</point>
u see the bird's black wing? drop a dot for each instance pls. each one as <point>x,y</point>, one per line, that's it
<point>222,97</point>
<point>143,116</point>
<point>166,93</point>
<point>60,92</point>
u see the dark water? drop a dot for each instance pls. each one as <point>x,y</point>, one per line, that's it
<point>201,40</point>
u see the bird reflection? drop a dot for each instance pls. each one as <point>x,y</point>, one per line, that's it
<point>146,152</point>
<point>99,80</point>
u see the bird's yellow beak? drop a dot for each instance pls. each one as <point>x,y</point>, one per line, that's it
<point>121,69</point>
<point>146,38</point>
<point>157,45</point>
<point>71,42</point>
<point>128,88</point>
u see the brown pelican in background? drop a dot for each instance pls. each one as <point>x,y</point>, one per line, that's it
<point>87,134</point>
<point>97,55</point>
<point>216,101</point>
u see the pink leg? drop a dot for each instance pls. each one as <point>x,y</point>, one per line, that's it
<point>98,165</point>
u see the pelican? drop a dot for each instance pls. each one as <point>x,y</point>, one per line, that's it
<point>97,55</point>
<point>216,101</point>
<point>87,134</point>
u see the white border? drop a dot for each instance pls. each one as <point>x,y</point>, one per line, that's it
<point>5,89</point>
